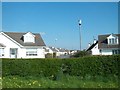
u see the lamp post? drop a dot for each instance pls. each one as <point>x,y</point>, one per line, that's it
<point>79,21</point>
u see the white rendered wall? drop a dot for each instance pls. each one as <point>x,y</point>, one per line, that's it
<point>21,51</point>
<point>95,50</point>
<point>40,53</point>
<point>106,52</point>
<point>9,44</point>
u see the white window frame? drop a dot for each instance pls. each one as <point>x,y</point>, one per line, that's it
<point>29,38</point>
<point>112,40</point>
<point>117,51</point>
<point>31,52</point>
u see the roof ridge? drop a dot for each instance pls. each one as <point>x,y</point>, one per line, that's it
<point>21,32</point>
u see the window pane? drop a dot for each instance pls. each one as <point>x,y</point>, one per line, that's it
<point>115,40</point>
<point>110,41</point>
<point>31,52</point>
<point>118,51</point>
<point>113,52</point>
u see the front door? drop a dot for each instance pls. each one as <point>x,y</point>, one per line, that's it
<point>13,52</point>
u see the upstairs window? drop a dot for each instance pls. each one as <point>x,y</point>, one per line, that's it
<point>29,38</point>
<point>112,39</point>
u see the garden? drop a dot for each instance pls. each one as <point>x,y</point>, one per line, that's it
<point>84,72</point>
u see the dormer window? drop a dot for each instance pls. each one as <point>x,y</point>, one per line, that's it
<point>112,39</point>
<point>29,38</point>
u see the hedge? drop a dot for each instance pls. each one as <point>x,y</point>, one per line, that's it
<point>92,65</point>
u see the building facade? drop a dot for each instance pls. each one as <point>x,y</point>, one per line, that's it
<point>106,45</point>
<point>21,45</point>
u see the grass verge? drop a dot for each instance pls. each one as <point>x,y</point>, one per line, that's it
<point>65,81</point>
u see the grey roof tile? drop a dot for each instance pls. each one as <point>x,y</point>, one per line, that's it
<point>103,43</point>
<point>18,37</point>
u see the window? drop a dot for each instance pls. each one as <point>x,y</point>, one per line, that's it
<point>31,52</point>
<point>1,52</point>
<point>29,39</point>
<point>113,41</point>
<point>118,51</point>
<point>115,52</point>
<point>13,51</point>
<point>100,51</point>
<point>110,41</point>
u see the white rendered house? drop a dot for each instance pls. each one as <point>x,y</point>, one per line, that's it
<point>106,45</point>
<point>109,44</point>
<point>21,45</point>
<point>94,48</point>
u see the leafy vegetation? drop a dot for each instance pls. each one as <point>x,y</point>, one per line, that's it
<point>93,65</point>
<point>48,55</point>
<point>89,71</point>
<point>65,82</point>
<point>81,54</point>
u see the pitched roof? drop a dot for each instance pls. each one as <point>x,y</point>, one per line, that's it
<point>92,46</point>
<point>54,49</point>
<point>62,50</point>
<point>18,37</point>
<point>103,43</point>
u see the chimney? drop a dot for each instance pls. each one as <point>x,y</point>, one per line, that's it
<point>94,41</point>
<point>89,44</point>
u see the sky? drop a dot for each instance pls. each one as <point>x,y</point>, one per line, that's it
<point>57,22</point>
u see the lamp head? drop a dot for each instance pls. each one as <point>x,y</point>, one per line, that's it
<point>80,22</point>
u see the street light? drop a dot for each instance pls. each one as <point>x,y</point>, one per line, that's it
<point>80,22</point>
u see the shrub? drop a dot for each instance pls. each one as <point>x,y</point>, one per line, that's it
<point>54,55</point>
<point>48,55</point>
<point>92,65</point>
<point>81,54</point>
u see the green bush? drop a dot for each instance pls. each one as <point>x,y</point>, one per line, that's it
<point>54,55</point>
<point>92,65</point>
<point>48,55</point>
<point>81,54</point>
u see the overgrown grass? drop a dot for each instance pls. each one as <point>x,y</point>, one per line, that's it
<point>65,81</point>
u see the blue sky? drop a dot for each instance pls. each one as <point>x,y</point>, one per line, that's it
<point>58,21</point>
<point>0,16</point>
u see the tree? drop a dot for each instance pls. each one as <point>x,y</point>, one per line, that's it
<point>81,54</point>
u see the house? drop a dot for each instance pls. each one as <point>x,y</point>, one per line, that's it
<point>93,48</point>
<point>48,50</point>
<point>21,45</point>
<point>58,52</point>
<point>62,51</point>
<point>72,52</point>
<point>106,45</point>
<point>109,44</point>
